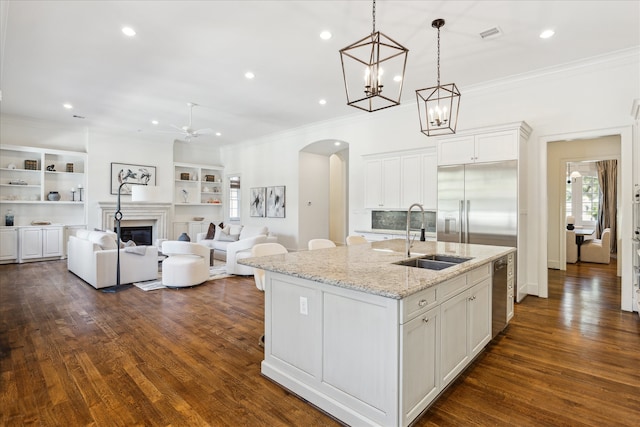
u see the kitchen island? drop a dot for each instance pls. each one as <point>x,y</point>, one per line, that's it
<point>367,340</point>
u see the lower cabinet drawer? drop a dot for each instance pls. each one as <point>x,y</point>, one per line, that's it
<point>418,303</point>
<point>452,287</point>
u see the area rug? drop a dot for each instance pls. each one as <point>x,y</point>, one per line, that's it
<point>215,272</point>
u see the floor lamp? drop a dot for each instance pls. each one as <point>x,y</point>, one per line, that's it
<point>118,217</point>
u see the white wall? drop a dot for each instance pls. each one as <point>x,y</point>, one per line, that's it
<point>313,193</point>
<point>266,165</point>
<point>585,96</point>
<point>105,148</point>
<point>338,196</point>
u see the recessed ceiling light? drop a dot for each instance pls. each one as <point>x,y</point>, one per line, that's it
<point>322,101</point>
<point>337,143</point>
<point>249,75</point>
<point>325,35</point>
<point>547,34</point>
<point>154,122</point>
<point>218,134</point>
<point>67,106</point>
<point>397,78</point>
<point>128,31</point>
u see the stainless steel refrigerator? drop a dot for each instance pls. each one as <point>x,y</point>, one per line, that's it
<point>478,203</point>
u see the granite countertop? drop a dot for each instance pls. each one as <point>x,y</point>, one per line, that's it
<point>369,268</point>
<point>395,232</point>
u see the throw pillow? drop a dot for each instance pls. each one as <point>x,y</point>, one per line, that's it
<point>102,239</point>
<point>211,232</point>
<point>226,236</point>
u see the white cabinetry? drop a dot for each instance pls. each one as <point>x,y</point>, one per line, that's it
<point>8,244</point>
<point>192,228</point>
<point>429,197</point>
<point>479,148</point>
<point>396,180</point>
<point>465,322</point>
<point>382,183</point>
<point>371,360</point>
<point>40,242</point>
<point>419,366</point>
<point>411,181</point>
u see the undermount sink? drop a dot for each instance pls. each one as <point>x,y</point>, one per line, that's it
<point>433,262</point>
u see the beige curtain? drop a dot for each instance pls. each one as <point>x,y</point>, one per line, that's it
<point>607,178</point>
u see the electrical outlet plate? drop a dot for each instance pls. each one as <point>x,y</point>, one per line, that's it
<point>304,306</point>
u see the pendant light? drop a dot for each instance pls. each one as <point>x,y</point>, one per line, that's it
<point>438,106</point>
<point>373,70</point>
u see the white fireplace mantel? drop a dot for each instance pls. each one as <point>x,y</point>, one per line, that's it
<point>156,213</point>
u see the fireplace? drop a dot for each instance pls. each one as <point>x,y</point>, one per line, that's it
<point>138,215</point>
<point>142,236</point>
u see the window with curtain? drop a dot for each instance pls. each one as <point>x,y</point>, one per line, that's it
<point>234,198</point>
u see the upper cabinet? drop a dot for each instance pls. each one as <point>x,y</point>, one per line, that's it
<point>487,145</point>
<point>397,180</point>
<point>382,183</point>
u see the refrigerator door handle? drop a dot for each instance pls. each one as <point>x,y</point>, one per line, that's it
<point>466,226</point>
<point>461,216</point>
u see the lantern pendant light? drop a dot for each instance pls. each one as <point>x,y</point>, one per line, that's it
<point>373,70</point>
<point>438,106</point>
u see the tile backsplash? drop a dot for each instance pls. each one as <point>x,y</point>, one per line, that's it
<point>397,220</point>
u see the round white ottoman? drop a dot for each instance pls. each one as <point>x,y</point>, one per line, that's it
<point>187,264</point>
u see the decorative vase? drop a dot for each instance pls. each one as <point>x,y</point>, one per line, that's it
<point>8,218</point>
<point>54,196</point>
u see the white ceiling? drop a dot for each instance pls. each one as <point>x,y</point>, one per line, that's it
<point>54,52</point>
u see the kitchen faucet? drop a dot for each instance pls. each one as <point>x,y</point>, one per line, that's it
<point>422,237</point>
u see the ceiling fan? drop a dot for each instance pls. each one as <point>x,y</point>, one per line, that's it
<point>188,131</point>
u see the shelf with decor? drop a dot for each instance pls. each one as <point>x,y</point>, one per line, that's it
<point>33,180</point>
<point>198,192</point>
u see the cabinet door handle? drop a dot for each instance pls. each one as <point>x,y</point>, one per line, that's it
<point>422,302</point>
<point>425,320</point>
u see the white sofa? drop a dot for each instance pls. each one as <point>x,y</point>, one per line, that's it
<point>92,257</point>
<point>236,244</point>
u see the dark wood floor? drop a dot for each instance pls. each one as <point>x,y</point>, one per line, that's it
<point>71,355</point>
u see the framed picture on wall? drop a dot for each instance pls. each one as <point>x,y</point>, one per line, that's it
<point>257,202</point>
<point>275,201</point>
<point>126,172</point>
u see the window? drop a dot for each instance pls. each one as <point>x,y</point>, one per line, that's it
<point>582,194</point>
<point>590,198</point>
<point>234,198</point>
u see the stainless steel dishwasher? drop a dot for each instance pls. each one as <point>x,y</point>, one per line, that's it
<point>499,296</point>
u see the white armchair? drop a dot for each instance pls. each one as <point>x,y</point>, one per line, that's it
<point>572,247</point>
<point>597,250</point>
